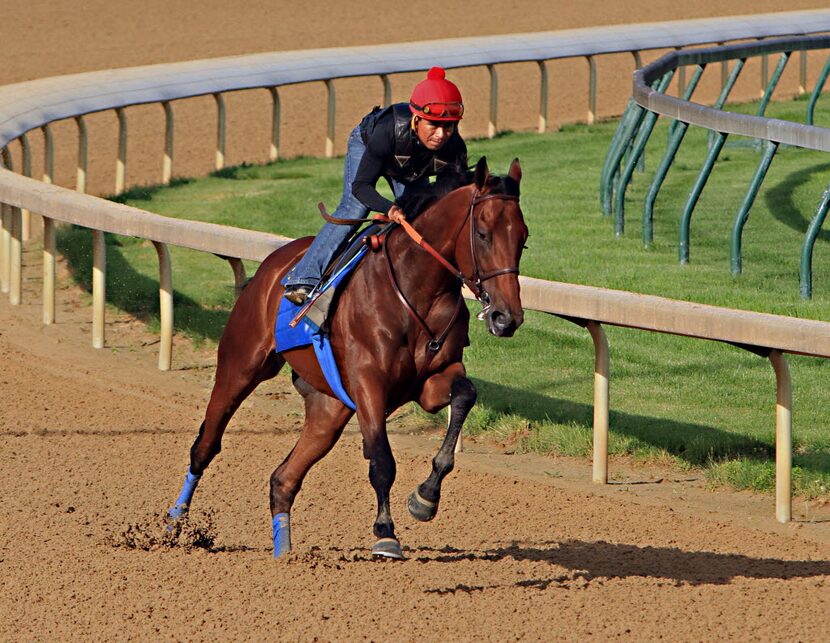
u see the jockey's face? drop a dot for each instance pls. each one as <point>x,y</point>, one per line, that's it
<point>433,134</point>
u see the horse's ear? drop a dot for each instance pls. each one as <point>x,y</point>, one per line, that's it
<point>515,171</point>
<point>482,173</point>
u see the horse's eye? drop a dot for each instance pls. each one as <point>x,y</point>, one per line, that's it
<point>481,234</point>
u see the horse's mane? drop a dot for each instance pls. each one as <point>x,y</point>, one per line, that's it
<point>451,178</point>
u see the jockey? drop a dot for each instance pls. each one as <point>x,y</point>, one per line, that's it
<point>403,143</point>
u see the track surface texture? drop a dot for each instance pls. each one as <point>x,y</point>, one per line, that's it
<point>95,443</point>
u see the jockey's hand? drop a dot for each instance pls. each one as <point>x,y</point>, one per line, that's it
<point>396,214</point>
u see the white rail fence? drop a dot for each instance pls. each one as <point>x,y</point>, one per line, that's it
<point>36,104</point>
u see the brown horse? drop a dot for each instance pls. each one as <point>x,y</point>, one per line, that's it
<point>398,335</point>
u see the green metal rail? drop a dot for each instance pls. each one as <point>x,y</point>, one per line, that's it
<point>649,101</point>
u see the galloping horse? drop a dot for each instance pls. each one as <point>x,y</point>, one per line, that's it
<point>398,335</point>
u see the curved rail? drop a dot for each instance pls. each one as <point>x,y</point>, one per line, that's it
<point>648,97</point>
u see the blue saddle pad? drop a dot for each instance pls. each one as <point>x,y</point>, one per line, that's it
<point>307,332</point>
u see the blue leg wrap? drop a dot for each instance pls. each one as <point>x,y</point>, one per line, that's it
<point>182,505</point>
<point>281,524</point>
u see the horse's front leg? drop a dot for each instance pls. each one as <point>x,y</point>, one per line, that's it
<point>450,386</point>
<point>376,449</point>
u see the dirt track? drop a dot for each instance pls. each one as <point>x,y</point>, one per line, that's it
<point>95,443</point>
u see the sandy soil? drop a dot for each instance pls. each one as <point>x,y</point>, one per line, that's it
<point>524,547</point>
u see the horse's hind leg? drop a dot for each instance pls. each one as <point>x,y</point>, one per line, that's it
<point>234,383</point>
<point>325,418</point>
<point>450,385</point>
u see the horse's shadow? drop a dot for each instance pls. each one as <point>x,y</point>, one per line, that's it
<point>602,560</point>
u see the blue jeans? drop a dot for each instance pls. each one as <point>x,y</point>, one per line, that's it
<point>332,237</point>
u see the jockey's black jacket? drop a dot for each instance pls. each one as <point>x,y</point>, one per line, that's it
<point>393,151</point>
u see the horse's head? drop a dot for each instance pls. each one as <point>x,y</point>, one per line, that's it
<point>494,247</point>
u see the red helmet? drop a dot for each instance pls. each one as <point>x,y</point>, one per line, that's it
<point>436,98</point>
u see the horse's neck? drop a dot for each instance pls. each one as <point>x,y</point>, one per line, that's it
<point>441,223</point>
<point>420,275</point>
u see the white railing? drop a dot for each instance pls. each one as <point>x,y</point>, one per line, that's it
<point>36,104</point>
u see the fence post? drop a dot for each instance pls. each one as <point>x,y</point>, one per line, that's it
<point>5,231</point>
<point>99,286</point>
<point>16,257</point>
<point>764,71</point>
<point>681,76</point>
<point>121,163</point>
<point>80,177</point>
<point>331,114</point>
<point>48,271</point>
<point>773,82</point>
<point>638,61</point>
<point>724,70</point>
<point>219,161</point>
<point>26,217</point>
<point>592,89</point>
<point>543,96</point>
<point>783,437</point>
<point>276,109</point>
<point>165,307</point>
<point>5,246</point>
<point>492,125</point>
<point>387,90</point>
<point>167,164</point>
<point>601,401</point>
<point>48,154</point>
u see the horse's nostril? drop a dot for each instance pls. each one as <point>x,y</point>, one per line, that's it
<point>500,320</point>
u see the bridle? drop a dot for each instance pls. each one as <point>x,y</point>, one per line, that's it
<point>474,282</point>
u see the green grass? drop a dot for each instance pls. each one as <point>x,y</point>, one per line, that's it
<point>691,402</point>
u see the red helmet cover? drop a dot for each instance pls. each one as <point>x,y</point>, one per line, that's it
<point>436,98</point>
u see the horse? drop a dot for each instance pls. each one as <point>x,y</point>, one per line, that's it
<point>398,334</point>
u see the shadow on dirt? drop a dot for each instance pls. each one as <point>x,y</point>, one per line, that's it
<point>598,561</point>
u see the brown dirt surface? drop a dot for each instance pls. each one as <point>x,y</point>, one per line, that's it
<point>95,444</point>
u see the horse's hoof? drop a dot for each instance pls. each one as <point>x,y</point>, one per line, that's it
<point>420,508</point>
<point>388,548</point>
<point>281,524</point>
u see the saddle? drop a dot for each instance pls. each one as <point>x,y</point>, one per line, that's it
<point>305,325</point>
